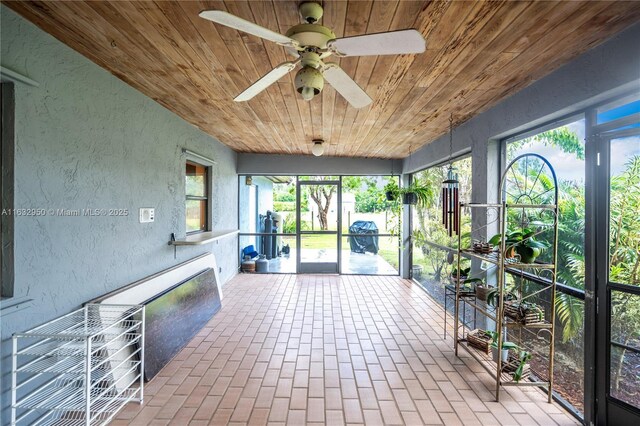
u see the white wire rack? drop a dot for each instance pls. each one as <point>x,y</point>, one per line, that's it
<point>79,369</point>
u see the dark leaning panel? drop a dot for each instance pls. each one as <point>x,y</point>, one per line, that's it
<point>175,316</point>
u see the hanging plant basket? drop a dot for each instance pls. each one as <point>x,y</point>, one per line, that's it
<point>391,191</point>
<point>410,198</point>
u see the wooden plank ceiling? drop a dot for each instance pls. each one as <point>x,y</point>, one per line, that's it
<point>478,52</point>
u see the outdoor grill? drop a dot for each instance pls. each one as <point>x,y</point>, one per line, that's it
<point>363,243</point>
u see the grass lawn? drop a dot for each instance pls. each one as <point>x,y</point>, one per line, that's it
<point>388,246</point>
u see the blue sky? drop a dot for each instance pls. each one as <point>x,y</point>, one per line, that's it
<point>569,167</point>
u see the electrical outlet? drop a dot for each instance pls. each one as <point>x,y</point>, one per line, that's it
<point>147,214</point>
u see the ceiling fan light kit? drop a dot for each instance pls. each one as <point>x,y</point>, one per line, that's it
<point>318,148</point>
<point>313,43</point>
<point>309,82</point>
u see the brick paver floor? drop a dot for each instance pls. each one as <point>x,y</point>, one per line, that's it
<point>314,349</point>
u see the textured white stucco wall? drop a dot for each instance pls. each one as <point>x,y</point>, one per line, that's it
<point>85,139</point>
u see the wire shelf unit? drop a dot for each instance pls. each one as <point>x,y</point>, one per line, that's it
<point>78,369</point>
<point>518,198</point>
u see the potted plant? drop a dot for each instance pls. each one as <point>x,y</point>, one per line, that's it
<point>521,366</point>
<point>524,312</point>
<point>416,193</point>
<point>516,309</point>
<point>467,286</point>
<point>409,198</point>
<point>506,346</point>
<point>391,190</point>
<point>412,194</point>
<point>482,290</point>
<point>462,275</point>
<point>523,243</point>
<point>494,294</point>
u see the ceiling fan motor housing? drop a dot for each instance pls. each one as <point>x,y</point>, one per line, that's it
<point>309,77</point>
<point>310,58</point>
<point>311,35</point>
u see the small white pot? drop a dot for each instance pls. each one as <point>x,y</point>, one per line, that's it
<point>505,354</point>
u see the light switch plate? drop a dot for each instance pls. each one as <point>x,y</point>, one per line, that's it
<point>147,214</point>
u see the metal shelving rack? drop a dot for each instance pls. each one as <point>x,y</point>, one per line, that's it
<point>501,263</point>
<point>79,369</point>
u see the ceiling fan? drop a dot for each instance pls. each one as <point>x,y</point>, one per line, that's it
<point>312,43</point>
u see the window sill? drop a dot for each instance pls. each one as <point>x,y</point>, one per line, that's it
<point>203,237</point>
<point>11,305</point>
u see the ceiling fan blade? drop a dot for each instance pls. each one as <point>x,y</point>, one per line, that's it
<point>232,21</point>
<point>389,43</point>
<point>266,80</point>
<point>345,85</point>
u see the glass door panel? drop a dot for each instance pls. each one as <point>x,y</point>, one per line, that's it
<point>318,207</point>
<point>624,377</point>
<point>368,244</point>
<point>617,260</point>
<point>370,255</point>
<point>623,285</point>
<point>624,202</point>
<point>321,248</point>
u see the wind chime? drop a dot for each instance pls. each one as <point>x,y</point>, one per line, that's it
<point>450,206</point>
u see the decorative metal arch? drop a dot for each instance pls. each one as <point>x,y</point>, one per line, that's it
<point>510,168</point>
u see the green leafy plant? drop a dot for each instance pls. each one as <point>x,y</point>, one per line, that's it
<point>462,274</point>
<point>467,285</point>
<point>421,193</point>
<point>505,345</point>
<point>494,295</point>
<point>523,358</point>
<point>288,224</point>
<point>418,237</point>
<point>504,351</point>
<point>522,242</point>
<point>391,190</point>
<point>526,307</point>
<point>284,206</point>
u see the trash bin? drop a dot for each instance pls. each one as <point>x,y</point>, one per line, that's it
<point>363,243</point>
